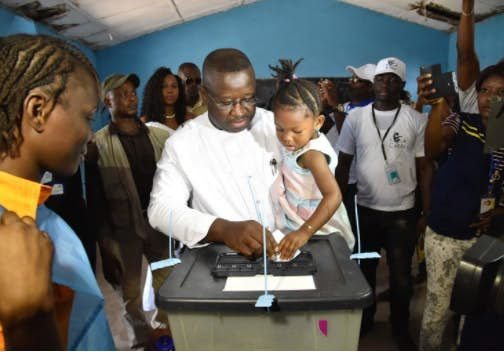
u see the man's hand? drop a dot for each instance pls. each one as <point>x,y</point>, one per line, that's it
<point>244,237</point>
<point>425,89</point>
<point>25,269</point>
<point>328,93</point>
<point>292,242</point>
<point>485,219</point>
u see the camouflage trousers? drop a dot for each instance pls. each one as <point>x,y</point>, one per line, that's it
<point>442,255</point>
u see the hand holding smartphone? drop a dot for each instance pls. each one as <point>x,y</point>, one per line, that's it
<point>442,83</point>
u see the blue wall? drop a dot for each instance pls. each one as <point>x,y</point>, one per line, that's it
<point>489,48</point>
<point>328,34</point>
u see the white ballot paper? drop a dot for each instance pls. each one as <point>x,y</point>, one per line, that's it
<point>275,283</point>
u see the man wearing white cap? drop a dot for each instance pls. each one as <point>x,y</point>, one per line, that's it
<point>387,138</point>
<point>360,92</point>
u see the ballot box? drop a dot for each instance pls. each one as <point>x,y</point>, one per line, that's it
<point>203,316</point>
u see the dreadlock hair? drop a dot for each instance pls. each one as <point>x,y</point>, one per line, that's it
<point>32,61</point>
<point>153,106</point>
<point>293,92</point>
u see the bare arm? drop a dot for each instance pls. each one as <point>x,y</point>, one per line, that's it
<point>467,61</point>
<point>316,162</point>
<point>343,170</point>
<point>425,169</point>
<point>27,304</point>
<point>437,137</point>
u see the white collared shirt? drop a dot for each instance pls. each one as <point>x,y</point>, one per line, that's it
<point>204,174</point>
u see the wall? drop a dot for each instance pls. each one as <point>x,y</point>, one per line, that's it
<point>328,34</point>
<point>489,48</point>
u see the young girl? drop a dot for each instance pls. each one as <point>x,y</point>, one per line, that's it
<point>164,104</point>
<point>48,98</point>
<point>308,197</point>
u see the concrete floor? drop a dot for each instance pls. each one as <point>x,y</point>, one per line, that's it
<point>378,339</point>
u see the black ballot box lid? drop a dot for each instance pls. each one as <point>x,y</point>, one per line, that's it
<point>338,280</point>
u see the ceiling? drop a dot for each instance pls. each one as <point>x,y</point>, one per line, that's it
<point>104,23</point>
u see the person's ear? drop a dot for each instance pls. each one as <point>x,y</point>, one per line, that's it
<point>107,100</point>
<point>37,108</point>
<point>319,121</point>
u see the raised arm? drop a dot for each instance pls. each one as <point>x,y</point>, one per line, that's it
<point>468,67</point>
<point>437,137</point>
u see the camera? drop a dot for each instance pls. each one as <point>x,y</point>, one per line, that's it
<point>479,284</point>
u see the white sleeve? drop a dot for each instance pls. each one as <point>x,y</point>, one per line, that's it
<point>346,140</point>
<point>421,124</point>
<point>468,100</point>
<point>171,192</point>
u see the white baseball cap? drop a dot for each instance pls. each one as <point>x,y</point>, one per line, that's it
<point>365,72</point>
<point>391,65</point>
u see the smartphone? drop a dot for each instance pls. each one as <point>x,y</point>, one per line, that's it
<point>442,82</point>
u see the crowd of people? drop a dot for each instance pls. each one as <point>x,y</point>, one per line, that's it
<point>201,153</point>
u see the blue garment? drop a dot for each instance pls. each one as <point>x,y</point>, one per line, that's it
<point>460,181</point>
<point>88,328</point>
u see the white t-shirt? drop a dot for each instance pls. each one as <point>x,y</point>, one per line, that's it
<point>204,174</point>
<point>404,143</point>
<point>468,99</point>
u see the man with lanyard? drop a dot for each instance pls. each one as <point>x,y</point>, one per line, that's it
<point>387,139</point>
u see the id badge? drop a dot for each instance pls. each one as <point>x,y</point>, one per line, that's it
<point>487,204</point>
<point>392,174</point>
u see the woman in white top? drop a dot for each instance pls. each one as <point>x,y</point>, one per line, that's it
<point>163,103</point>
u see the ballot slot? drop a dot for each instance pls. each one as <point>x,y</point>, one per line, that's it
<point>234,264</point>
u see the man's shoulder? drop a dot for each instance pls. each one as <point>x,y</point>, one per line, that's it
<point>412,113</point>
<point>189,130</point>
<point>102,131</point>
<point>358,114</point>
<point>263,118</point>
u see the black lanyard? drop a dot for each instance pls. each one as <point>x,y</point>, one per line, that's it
<point>386,132</point>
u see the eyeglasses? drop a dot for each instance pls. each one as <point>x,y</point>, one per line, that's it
<point>191,80</point>
<point>228,105</point>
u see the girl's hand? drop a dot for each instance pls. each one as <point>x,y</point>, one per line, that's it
<point>292,242</point>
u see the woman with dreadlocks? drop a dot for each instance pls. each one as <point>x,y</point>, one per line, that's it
<point>48,98</point>
<point>309,199</point>
<point>164,104</point>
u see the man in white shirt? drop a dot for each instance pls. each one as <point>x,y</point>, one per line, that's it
<point>387,138</point>
<point>215,173</point>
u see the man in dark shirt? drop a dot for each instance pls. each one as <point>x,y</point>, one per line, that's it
<point>120,166</point>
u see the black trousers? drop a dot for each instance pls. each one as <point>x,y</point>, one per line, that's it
<point>396,233</point>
